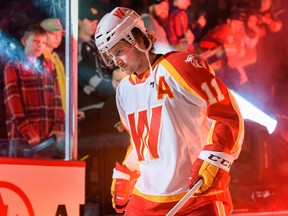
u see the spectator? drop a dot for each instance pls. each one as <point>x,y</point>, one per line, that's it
<point>32,97</point>
<point>55,33</point>
<point>231,37</point>
<point>197,19</point>
<point>271,57</point>
<point>94,88</point>
<point>3,130</point>
<point>252,36</point>
<point>216,12</point>
<point>94,78</point>
<point>267,18</point>
<point>180,31</point>
<point>9,51</point>
<point>155,20</point>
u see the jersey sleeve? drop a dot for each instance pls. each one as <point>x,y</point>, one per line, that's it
<point>195,75</point>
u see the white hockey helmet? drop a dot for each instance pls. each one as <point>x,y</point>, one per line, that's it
<point>117,25</point>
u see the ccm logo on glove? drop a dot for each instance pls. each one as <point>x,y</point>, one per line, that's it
<point>219,159</point>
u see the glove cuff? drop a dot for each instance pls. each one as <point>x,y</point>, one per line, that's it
<point>220,159</point>
<point>120,175</point>
<point>122,172</point>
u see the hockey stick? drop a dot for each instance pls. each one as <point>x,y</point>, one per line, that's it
<point>194,187</point>
<point>49,141</point>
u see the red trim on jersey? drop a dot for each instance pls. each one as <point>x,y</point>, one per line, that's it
<point>137,79</point>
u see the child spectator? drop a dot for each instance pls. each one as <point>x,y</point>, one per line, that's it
<point>32,97</point>
<point>55,33</point>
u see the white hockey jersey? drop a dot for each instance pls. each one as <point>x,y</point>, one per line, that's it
<point>171,114</point>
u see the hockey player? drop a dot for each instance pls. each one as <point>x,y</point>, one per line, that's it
<point>183,121</point>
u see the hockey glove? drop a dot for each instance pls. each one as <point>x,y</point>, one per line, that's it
<point>213,167</point>
<point>123,183</point>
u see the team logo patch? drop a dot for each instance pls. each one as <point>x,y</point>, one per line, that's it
<point>195,60</point>
<point>119,13</point>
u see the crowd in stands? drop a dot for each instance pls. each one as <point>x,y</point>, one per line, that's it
<point>232,35</point>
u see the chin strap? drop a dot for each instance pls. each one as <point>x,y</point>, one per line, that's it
<point>146,51</point>
<point>152,83</point>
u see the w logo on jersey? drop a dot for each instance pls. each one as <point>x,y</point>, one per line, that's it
<point>119,13</point>
<point>146,134</point>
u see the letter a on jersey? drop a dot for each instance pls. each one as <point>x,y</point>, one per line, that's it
<point>164,89</point>
<point>146,134</point>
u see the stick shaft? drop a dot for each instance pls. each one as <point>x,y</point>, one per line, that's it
<point>184,199</point>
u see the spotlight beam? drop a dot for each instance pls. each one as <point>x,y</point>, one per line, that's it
<point>251,112</point>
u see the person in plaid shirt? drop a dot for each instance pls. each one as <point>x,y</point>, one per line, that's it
<point>3,131</point>
<point>32,97</point>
